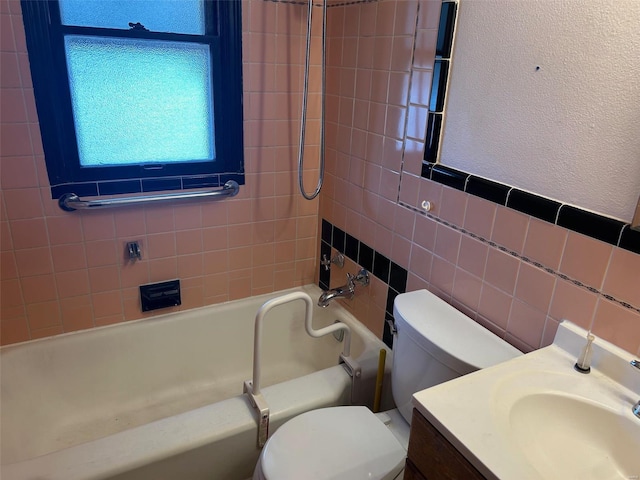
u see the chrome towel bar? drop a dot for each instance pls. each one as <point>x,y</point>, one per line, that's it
<point>70,201</point>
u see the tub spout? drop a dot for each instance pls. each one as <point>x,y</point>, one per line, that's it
<point>345,291</point>
<point>340,292</point>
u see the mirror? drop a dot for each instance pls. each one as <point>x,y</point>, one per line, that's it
<point>544,96</point>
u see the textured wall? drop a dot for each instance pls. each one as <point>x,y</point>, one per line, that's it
<point>568,131</point>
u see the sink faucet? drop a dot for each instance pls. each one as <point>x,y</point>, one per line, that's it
<point>636,408</point>
<point>345,291</point>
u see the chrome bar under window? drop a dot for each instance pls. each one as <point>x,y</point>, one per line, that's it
<point>70,201</point>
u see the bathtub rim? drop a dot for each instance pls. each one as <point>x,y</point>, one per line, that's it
<point>101,466</point>
<point>371,344</point>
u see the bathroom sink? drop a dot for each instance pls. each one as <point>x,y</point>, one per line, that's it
<point>536,418</point>
<point>569,437</point>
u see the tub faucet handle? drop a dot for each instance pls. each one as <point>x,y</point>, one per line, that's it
<point>362,278</point>
<point>338,259</point>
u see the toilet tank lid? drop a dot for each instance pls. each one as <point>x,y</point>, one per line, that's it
<point>448,334</point>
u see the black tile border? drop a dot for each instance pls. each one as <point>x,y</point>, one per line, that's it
<point>630,239</point>
<point>326,231</point>
<point>591,224</point>
<point>434,128</point>
<point>533,205</point>
<point>481,187</point>
<point>202,181</point>
<point>448,176</point>
<point>427,166</point>
<point>445,29</point>
<point>439,84</point>
<point>119,187</point>
<point>381,266</point>
<point>398,277</point>
<point>158,184</point>
<point>377,264</point>
<point>351,247</point>
<point>597,226</point>
<point>338,239</point>
<point>365,257</point>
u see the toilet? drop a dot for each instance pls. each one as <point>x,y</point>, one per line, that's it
<point>434,343</point>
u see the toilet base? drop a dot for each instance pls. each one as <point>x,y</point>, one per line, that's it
<point>396,423</point>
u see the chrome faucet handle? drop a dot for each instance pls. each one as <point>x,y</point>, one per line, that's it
<point>635,363</point>
<point>338,259</point>
<point>362,278</point>
<point>351,282</point>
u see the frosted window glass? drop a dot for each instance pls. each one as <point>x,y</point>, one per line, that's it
<point>140,101</point>
<point>176,16</point>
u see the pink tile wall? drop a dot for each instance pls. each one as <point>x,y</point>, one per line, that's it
<point>65,271</point>
<point>467,250</point>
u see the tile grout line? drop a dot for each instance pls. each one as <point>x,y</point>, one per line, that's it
<point>525,259</point>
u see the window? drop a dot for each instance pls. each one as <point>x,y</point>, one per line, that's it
<point>137,95</point>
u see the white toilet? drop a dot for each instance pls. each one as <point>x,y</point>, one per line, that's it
<point>434,343</point>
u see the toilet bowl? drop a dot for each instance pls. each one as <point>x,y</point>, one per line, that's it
<point>338,443</point>
<point>434,343</point>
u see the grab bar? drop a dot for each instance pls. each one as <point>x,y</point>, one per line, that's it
<point>70,201</point>
<point>252,388</point>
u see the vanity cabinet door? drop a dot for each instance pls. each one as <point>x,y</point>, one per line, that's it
<point>434,456</point>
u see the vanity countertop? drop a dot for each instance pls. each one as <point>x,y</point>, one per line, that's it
<point>535,417</point>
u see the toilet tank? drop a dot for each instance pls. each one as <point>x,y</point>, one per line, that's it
<point>435,343</point>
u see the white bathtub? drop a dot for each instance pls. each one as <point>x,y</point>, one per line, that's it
<point>161,398</point>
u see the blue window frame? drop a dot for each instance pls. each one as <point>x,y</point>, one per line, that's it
<point>135,96</point>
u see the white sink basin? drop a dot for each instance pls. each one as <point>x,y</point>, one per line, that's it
<point>571,437</point>
<point>535,417</point>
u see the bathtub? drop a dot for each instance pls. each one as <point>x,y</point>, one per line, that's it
<point>161,398</point>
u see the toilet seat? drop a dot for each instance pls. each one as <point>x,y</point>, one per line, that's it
<point>338,443</point>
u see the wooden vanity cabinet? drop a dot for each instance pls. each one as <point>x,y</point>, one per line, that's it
<point>432,457</point>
